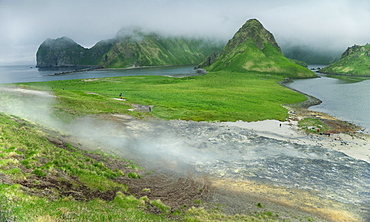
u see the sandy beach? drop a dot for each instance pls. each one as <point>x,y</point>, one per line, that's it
<point>356,145</point>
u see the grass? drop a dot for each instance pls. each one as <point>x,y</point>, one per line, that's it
<point>200,214</point>
<point>22,207</point>
<point>217,96</point>
<point>311,125</point>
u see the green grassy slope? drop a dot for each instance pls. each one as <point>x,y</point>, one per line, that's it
<point>247,57</point>
<point>354,61</point>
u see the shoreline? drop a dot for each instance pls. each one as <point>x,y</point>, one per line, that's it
<point>351,143</point>
<point>87,69</point>
<point>342,74</point>
<point>347,138</point>
<point>311,100</point>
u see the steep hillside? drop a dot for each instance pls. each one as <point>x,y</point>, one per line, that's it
<point>140,49</point>
<point>253,48</point>
<point>354,61</point>
<point>130,48</point>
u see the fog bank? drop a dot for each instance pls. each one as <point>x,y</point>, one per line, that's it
<point>334,25</point>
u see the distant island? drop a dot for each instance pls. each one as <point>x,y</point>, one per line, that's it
<point>130,48</point>
<point>354,61</point>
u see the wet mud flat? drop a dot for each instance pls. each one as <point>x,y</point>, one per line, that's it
<point>309,178</point>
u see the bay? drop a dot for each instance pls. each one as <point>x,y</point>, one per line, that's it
<point>26,73</point>
<point>343,97</point>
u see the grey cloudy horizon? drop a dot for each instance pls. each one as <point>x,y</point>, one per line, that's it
<point>329,24</point>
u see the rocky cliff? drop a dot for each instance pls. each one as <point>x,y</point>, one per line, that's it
<point>60,52</point>
<point>130,48</point>
<point>354,61</point>
<point>253,48</point>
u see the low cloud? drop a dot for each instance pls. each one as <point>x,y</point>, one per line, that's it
<point>320,23</point>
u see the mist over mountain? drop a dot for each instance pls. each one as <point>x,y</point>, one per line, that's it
<point>64,52</point>
<point>130,48</point>
<point>311,55</point>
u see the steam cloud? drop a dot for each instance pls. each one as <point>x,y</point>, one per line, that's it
<point>130,139</point>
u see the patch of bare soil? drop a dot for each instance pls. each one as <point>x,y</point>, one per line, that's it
<point>176,192</point>
<point>54,188</point>
<point>179,193</point>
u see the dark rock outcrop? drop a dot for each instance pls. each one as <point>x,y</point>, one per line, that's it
<point>59,53</point>
<point>208,61</point>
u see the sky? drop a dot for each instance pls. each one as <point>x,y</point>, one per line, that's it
<point>319,24</point>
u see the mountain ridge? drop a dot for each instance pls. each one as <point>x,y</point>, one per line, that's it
<point>130,48</point>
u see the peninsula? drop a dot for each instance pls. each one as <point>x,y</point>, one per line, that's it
<point>354,61</point>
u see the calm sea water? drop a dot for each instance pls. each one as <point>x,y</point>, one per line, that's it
<point>14,74</point>
<point>344,97</point>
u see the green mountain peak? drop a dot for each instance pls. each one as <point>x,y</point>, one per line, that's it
<point>253,30</point>
<point>253,48</point>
